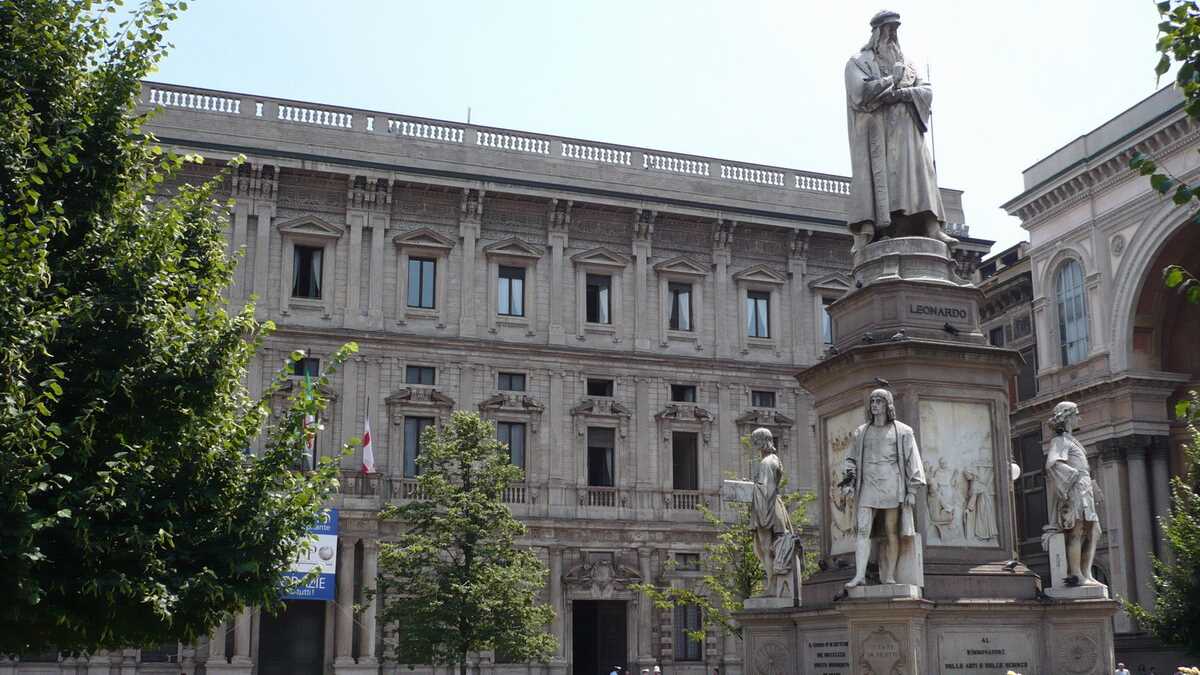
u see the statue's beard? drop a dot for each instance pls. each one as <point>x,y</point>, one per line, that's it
<point>889,52</point>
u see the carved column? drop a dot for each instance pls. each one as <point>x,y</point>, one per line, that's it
<point>1113,518</point>
<point>344,612</point>
<point>803,341</point>
<point>556,601</point>
<point>560,221</point>
<point>216,644</point>
<point>1160,480</point>
<point>469,224</point>
<point>645,613</point>
<point>643,230</point>
<point>366,649</point>
<point>356,219</point>
<point>1141,525</point>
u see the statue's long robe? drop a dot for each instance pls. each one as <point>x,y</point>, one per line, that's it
<point>910,468</point>
<point>890,162</point>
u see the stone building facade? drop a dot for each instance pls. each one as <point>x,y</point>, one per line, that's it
<point>623,314</point>
<point>1111,338</point>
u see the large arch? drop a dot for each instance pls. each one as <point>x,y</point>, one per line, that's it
<point>1131,275</point>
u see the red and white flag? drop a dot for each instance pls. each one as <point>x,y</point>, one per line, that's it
<point>368,462</point>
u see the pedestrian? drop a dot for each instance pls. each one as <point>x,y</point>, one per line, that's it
<point>1121,670</point>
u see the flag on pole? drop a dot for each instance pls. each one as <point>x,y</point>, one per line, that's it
<point>368,460</point>
<point>310,428</point>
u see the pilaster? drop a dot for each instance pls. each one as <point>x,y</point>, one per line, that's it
<point>469,223</point>
<point>722,254</point>
<point>643,312</point>
<point>560,222</point>
<point>645,610</point>
<point>1160,482</point>
<point>1141,526</point>
<point>344,609</point>
<point>803,339</point>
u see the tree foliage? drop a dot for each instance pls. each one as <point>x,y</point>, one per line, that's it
<point>455,583</point>
<point>129,512</point>
<point>1175,618</point>
<point>731,571</point>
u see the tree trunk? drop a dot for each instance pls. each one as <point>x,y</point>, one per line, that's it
<point>462,665</point>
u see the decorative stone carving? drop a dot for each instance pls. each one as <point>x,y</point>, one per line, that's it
<point>893,185</point>
<point>780,425</point>
<point>1117,245</point>
<point>601,408</point>
<point>418,400</point>
<point>600,577</point>
<point>883,473</point>
<point>514,403</point>
<point>1076,653</point>
<point>684,412</point>
<point>956,444</point>
<point>772,658</point>
<point>881,653</point>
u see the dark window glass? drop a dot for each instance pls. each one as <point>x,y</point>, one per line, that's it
<point>1072,314</point>
<point>600,457</point>
<point>1027,376</point>
<point>413,426</point>
<point>510,382</point>
<point>512,434</point>
<point>685,461</point>
<point>826,322</point>
<point>510,296</point>
<point>422,282</point>
<point>683,393</point>
<point>420,375</point>
<point>1022,326</point>
<point>598,298</point>
<point>762,399</point>
<point>1030,492</point>
<point>306,366</point>
<point>306,271</point>
<point>758,314</point>
<point>680,299</point>
<point>598,387</point>
<point>687,619</point>
<point>996,336</point>
<point>687,562</point>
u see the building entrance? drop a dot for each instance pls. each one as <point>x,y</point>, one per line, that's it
<point>598,637</point>
<point>293,642</point>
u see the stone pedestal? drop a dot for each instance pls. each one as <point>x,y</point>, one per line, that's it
<point>769,603</point>
<point>1058,588</point>
<point>885,592</point>
<point>887,636</point>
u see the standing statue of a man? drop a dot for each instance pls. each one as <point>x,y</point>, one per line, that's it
<point>1073,497</point>
<point>893,186</point>
<point>883,474</point>
<point>774,539</point>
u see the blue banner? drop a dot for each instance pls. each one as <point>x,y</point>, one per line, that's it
<point>321,555</point>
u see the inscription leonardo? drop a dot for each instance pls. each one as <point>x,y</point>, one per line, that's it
<point>938,311</point>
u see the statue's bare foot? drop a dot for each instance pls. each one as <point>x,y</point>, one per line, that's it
<point>856,581</point>
<point>887,581</point>
<point>1089,581</point>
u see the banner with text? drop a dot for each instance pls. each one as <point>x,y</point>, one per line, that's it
<point>321,556</point>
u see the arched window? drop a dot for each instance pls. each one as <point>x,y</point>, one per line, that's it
<point>1072,313</point>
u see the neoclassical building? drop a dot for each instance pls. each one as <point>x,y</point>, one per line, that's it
<point>1110,337</point>
<point>622,314</point>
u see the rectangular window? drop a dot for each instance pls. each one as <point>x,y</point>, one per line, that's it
<point>599,387</point>
<point>680,299</point>
<point>758,314</point>
<point>687,622</point>
<point>600,456</point>
<point>420,375</point>
<point>684,456</point>
<point>1030,491</point>
<point>512,434</point>
<point>996,336</point>
<point>826,322</point>
<point>687,562</point>
<point>306,366</point>
<point>683,393</point>
<point>413,427</point>
<point>510,294</point>
<point>510,382</point>
<point>599,301</point>
<point>762,399</point>
<point>422,282</point>
<point>1027,376</point>
<point>306,271</point>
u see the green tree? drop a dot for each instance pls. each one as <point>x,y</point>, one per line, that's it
<point>731,571</point>
<point>454,582</point>
<point>129,513</point>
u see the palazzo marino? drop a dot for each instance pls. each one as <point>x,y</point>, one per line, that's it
<point>623,315</point>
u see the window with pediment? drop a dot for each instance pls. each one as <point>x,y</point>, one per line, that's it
<point>826,291</point>
<point>759,312</point>
<point>412,410</point>
<point>598,296</point>
<point>512,284</point>
<point>309,265</point>
<point>681,297</point>
<point>421,277</point>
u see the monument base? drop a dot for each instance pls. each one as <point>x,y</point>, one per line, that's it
<point>1078,592</point>
<point>765,602</point>
<point>885,592</point>
<point>919,637</point>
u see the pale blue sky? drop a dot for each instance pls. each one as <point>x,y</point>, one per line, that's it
<point>755,81</point>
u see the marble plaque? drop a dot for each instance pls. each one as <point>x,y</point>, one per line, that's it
<point>956,446</point>
<point>992,652</point>
<point>826,652</point>
<point>839,429</point>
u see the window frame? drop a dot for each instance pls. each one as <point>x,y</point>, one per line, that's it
<point>312,232</point>
<point>513,253</point>
<point>687,618</point>
<point>423,242</point>
<point>605,304</point>
<point>677,390</point>
<point>694,473</point>
<point>511,374</point>
<point>827,333</point>
<point>760,298</point>
<point>612,456</point>
<point>676,290</point>
<point>422,262</point>
<point>612,387</point>
<point>298,251</point>
<point>421,422</point>
<point>506,275</point>
<point>509,426</point>
<point>299,368</point>
<point>1072,349</point>
<point>754,396</point>
<point>421,370</point>
<point>600,261</point>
